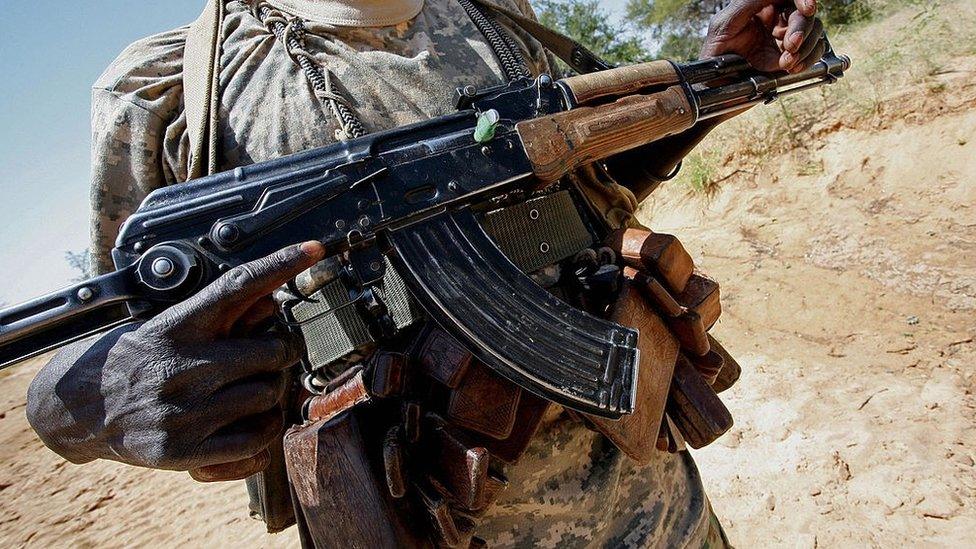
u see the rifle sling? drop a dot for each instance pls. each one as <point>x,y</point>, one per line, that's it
<point>570,51</point>
<point>201,71</point>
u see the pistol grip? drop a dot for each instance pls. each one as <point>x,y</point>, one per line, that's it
<point>515,327</point>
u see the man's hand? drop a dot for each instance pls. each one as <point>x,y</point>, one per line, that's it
<point>192,389</point>
<point>772,35</point>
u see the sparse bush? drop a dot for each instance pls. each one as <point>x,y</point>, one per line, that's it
<point>589,23</point>
<point>698,171</point>
<point>844,12</point>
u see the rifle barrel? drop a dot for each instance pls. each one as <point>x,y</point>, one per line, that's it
<point>766,88</point>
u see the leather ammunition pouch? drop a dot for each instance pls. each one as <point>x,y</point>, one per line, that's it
<point>426,430</point>
<point>423,432</point>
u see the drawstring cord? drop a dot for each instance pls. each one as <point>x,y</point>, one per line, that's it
<point>290,31</point>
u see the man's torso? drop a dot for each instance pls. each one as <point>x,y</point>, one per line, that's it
<point>573,488</point>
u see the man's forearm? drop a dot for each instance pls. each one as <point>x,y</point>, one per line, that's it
<point>641,170</point>
<point>64,403</point>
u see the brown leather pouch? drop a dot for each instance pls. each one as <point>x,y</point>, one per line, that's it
<point>531,411</point>
<point>343,501</point>
<point>387,373</point>
<point>485,403</point>
<point>636,434</point>
<point>441,357</point>
<point>458,468</point>
<point>657,254</point>
<point>701,295</point>
<point>708,365</point>
<point>695,408</point>
<point>689,314</point>
<point>731,370</point>
<point>479,400</point>
<point>661,272</point>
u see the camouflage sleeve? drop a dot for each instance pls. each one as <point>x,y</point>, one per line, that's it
<point>526,9</point>
<point>137,142</point>
<point>127,142</point>
<point>553,65</point>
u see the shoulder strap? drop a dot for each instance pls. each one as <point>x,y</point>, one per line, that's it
<point>201,71</point>
<point>574,54</point>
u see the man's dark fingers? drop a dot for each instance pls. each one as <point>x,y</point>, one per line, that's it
<point>782,25</point>
<point>237,289</point>
<point>737,15</point>
<point>247,397</point>
<point>242,439</point>
<point>238,470</point>
<point>257,316</point>
<point>779,31</point>
<point>813,57</point>
<point>745,9</point>
<point>267,353</point>
<point>810,42</point>
<point>769,16</point>
<point>800,27</point>
<point>740,11</point>
<point>806,7</point>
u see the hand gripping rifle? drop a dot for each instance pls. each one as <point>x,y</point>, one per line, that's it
<point>411,194</point>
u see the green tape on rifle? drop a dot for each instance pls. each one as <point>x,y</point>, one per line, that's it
<point>487,123</point>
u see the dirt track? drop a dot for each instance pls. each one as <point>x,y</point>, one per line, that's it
<point>850,298</point>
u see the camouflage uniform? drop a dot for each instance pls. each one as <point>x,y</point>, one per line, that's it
<point>573,488</point>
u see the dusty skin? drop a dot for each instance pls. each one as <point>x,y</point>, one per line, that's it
<point>849,293</point>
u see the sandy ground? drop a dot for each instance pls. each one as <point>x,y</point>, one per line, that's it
<point>47,502</point>
<point>850,300</point>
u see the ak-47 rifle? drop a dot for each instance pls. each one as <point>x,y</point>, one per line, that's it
<point>412,194</point>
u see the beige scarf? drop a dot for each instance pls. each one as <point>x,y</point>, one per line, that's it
<point>352,13</point>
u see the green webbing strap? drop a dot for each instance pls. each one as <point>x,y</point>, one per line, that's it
<point>201,73</point>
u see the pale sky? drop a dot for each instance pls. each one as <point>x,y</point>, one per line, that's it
<point>51,51</point>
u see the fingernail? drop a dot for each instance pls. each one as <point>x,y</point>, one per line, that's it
<point>312,248</point>
<point>788,60</point>
<point>796,39</point>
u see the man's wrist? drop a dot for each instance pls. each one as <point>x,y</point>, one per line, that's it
<point>51,419</point>
<point>65,405</point>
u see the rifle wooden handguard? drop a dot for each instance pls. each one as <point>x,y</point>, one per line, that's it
<point>560,143</point>
<point>587,88</point>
